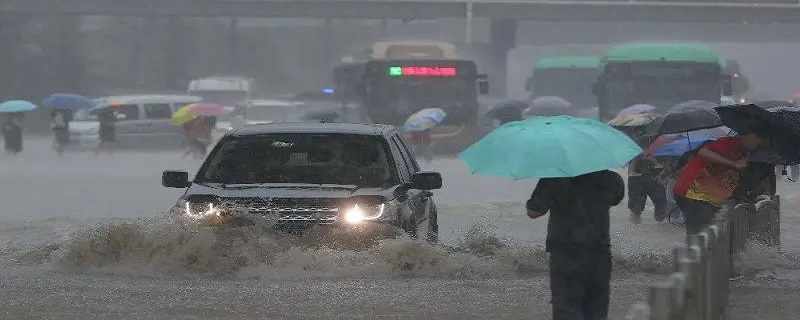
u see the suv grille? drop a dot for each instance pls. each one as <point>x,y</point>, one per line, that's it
<point>291,210</point>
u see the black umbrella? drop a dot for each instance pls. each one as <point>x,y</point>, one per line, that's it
<point>509,110</point>
<point>781,124</point>
<point>685,121</point>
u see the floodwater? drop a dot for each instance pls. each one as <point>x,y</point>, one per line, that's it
<point>85,237</point>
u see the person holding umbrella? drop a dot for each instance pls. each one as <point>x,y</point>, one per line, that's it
<point>644,170</point>
<point>419,126</point>
<point>11,123</point>
<point>198,121</point>
<point>576,188</point>
<point>710,177</point>
<point>107,118</point>
<point>12,132</point>
<point>63,105</point>
<point>59,123</point>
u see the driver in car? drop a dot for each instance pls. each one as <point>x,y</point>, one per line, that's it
<point>360,164</point>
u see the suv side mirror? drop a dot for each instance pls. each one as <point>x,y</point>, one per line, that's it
<point>483,84</point>
<point>426,180</point>
<point>175,179</point>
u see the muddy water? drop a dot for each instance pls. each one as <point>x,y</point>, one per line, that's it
<point>85,237</point>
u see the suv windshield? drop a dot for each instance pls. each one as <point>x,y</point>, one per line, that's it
<point>301,158</point>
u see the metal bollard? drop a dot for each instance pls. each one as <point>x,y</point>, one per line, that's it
<point>767,230</point>
<point>699,288</point>
<point>660,302</point>
<point>711,272</point>
<point>701,241</point>
<point>690,266</point>
<point>725,265</point>
<point>679,294</point>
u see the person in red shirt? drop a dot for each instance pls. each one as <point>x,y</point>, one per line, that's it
<point>421,143</point>
<point>198,136</point>
<point>711,176</point>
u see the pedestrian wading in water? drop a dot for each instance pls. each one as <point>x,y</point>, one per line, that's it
<point>643,183</point>
<point>709,178</point>
<point>11,127</point>
<point>578,240</point>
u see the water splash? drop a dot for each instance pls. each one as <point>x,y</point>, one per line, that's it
<point>163,247</point>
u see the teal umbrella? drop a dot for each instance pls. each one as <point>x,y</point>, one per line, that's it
<point>550,147</point>
<point>16,106</point>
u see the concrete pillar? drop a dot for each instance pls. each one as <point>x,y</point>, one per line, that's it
<point>327,45</point>
<point>175,55</point>
<point>234,46</point>
<point>68,66</point>
<point>137,50</point>
<point>502,38</point>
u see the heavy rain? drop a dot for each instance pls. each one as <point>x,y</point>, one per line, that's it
<point>106,101</point>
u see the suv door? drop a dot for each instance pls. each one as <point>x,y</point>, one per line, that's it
<point>417,202</point>
<point>131,129</point>
<point>160,130</point>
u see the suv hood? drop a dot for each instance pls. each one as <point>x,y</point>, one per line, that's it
<point>287,191</point>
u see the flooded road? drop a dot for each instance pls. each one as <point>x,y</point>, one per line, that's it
<point>86,237</point>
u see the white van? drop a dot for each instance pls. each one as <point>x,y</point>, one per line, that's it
<point>143,121</point>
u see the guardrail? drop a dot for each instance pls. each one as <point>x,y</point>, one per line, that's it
<point>699,287</point>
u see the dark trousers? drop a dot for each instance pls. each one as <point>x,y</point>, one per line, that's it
<point>644,186</point>
<point>697,214</point>
<point>579,281</point>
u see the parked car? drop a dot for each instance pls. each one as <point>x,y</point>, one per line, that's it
<point>302,174</point>
<point>143,121</point>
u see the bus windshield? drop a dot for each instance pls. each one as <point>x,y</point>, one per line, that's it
<point>574,85</point>
<point>661,85</point>
<point>394,101</point>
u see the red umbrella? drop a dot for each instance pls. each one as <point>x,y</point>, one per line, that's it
<point>660,141</point>
<point>206,109</point>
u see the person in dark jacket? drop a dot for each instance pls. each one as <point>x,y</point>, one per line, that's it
<point>642,184</point>
<point>107,132</point>
<point>578,240</point>
<point>59,123</point>
<point>12,132</point>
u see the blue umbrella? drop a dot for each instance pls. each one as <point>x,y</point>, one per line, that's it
<point>68,101</point>
<point>682,145</point>
<point>16,106</point>
<point>425,119</point>
<point>550,147</point>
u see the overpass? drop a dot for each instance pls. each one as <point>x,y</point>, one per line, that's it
<point>717,11</point>
<point>754,20</point>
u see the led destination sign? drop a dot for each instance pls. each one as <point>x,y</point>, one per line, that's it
<point>416,71</point>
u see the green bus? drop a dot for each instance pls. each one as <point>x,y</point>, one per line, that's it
<point>569,77</point>
<point>659,74</point>
<point>740,84</point>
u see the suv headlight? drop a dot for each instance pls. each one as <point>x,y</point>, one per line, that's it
<point>360,212</point>
<point>199,210</point>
